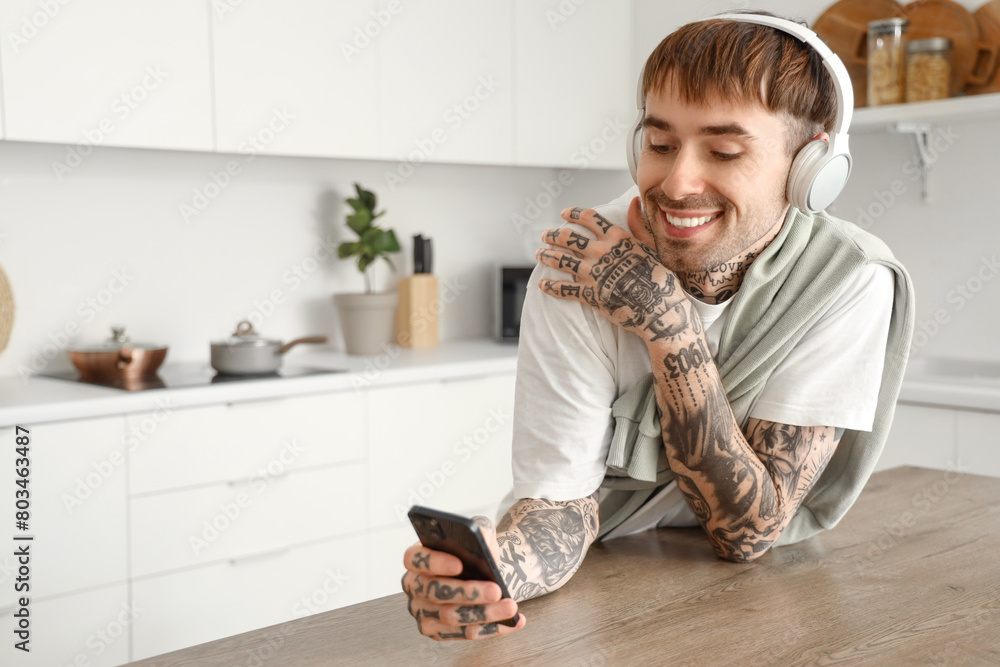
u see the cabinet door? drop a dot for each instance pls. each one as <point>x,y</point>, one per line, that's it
<point>299,78</point>
<point>575,96</point>
<point>243,440</point>
<point>446,83</point>
<point>978,435</point>
<point>91,628</point>
<point>920,436</point>
<point>446,445</point>
<point>107,73</point>
<point>76,487</point>
<point>207,603</point>
<point>224,521</point>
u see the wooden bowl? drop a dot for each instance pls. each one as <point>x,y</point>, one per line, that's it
<point>844,28</point>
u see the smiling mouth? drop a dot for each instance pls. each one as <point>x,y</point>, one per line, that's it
<point>688,222</point>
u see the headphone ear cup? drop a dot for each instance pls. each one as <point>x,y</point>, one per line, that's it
<point>634,144</point>
<point>817,176</point>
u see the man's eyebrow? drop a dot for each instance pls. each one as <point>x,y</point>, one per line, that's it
<point>729,129</point>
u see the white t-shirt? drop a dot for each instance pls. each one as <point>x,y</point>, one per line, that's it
<point>573,364</point>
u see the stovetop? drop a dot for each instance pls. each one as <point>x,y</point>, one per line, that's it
<point>175,376</point>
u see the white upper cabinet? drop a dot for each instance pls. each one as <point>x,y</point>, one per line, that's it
<point>107,72</point>
<point>575,95</point>
<point>300,77</point>
<point>446,83</point>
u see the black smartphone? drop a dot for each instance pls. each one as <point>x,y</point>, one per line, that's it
<point>461,537</point>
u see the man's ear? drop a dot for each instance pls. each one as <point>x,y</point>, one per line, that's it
<point>638,224</point>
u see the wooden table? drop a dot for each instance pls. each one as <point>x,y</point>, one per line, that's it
<point>910,576</point>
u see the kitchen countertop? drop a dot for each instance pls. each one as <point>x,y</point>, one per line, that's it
<point>938,382</point>
<point>909,576</point>
<point>42,399</point>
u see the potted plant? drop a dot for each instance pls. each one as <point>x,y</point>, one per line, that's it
<point>367,319</point>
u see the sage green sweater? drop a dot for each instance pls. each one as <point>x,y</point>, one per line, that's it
<point>785,291</point>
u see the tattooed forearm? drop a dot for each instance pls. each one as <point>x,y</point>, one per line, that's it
<point>744,489</point>
<point>543,543</point>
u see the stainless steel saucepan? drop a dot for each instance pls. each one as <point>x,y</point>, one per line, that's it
<point>246,353</point>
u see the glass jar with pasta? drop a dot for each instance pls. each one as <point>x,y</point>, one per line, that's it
<point>887,61</point>
<point>928,69</point>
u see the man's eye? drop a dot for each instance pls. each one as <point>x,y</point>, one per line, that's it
<point>661,148</point>
<point>726,157</point>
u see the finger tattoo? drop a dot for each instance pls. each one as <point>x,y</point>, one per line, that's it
<point>471,614</point>
<point>577,241</point>
<point>602,222</point>
<point>575,213</point>
<point>421,560</point>
<point>489,629</point>
<point>446,592</point>
<point>571,263</point>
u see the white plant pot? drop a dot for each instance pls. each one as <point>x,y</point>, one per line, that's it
<point>368,321</point>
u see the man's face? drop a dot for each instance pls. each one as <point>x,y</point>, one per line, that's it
<point>712,178</point>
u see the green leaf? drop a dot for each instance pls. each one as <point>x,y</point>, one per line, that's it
<point>346,249</point>
<point>367,197</point>
<point>360,222</point>
<point>385,242</point>
<point>364,261</point>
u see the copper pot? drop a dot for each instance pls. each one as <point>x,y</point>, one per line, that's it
<point>118,359</point>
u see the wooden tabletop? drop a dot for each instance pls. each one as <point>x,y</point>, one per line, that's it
<point>910,576</point>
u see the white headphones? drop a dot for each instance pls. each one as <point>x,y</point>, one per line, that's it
<point>821,169</point>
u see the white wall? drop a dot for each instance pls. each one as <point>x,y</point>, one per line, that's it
<point>943,244</point>
<point>190,282</point>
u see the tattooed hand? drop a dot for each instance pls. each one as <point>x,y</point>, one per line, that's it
<point>447,608</point>
<point>615,273</point>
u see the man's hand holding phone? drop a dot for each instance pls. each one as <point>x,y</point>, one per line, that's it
<point>445,603</point>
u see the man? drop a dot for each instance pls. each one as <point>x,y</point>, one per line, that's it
<point>748,379</point>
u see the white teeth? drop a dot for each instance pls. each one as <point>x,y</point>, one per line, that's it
<point>685,223</point>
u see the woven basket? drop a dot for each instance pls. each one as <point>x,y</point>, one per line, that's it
<point>6,310</point>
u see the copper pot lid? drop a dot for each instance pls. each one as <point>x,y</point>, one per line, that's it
<point>117,341</point>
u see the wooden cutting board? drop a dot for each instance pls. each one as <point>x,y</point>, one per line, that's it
<point>844,27</point>
<point>973,60</point>
<point>988,18</point>
<point>6,310</point>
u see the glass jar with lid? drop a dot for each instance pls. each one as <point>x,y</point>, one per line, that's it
<point>887,61</point>
<point>928,69</point>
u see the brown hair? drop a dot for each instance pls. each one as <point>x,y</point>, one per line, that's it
<point>750,64</point>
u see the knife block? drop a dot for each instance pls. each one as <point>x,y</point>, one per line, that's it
<point>418,310</point>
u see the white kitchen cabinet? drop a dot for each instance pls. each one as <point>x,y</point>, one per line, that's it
<point>206,524</point>
<point>107,73</point>
<point>299,78</point>
<point>446,84</point>
<point>446,445</point>
<point>241,441</point>
<point>574,83</point>
<point>77,513</point>
<point>206,603</point>
<point>921,436</point>
<point>90,628</point>
<point>978,435</point>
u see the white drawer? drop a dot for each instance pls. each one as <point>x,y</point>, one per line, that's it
<point>223,521</point>
<point>185,447</point>
<point>89,628</point>
<point>206,603</point>
<point>77,513</point>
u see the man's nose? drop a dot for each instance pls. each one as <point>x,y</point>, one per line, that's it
<point>686,176</point>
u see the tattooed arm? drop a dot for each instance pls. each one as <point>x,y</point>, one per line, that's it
<point>744,488</point>
<point>538,546</point>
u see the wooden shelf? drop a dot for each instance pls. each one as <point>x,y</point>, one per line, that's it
<point>954,110</point>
